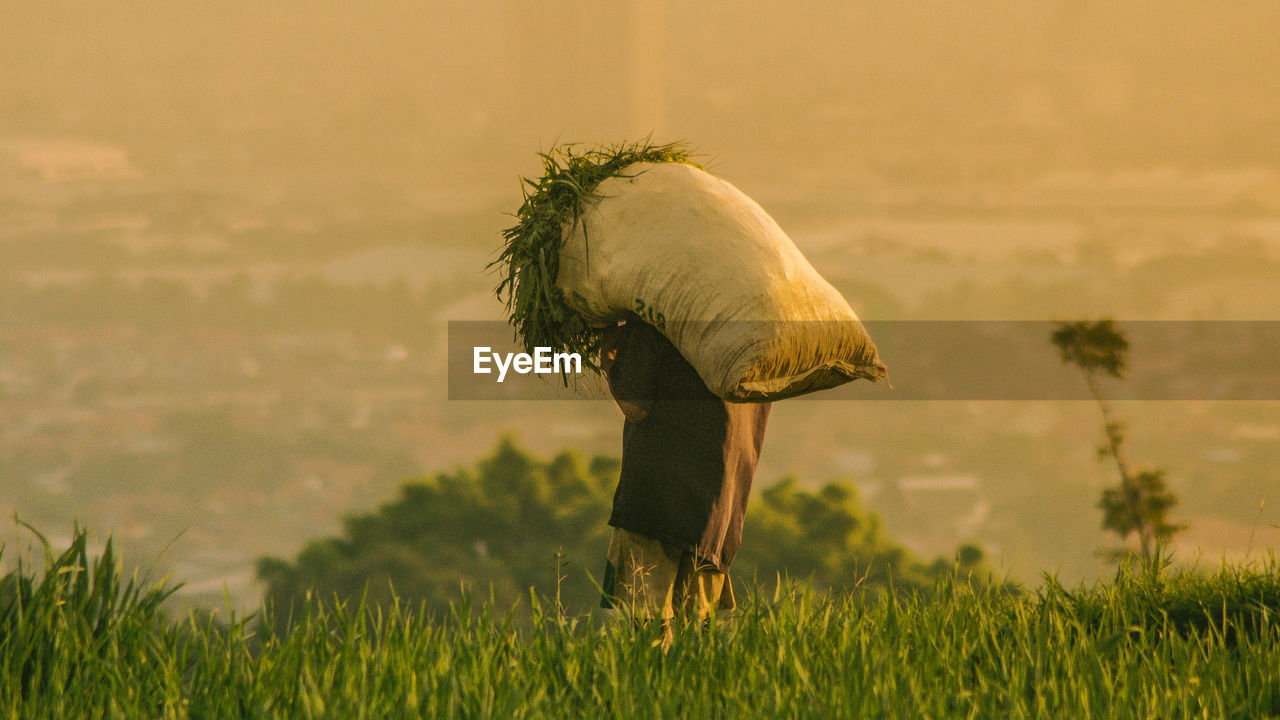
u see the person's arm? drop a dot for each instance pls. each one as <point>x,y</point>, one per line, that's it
<point>628,362</point>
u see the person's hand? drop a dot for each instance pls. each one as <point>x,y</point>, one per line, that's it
<point>609,343</point>
<point>607,358</point>
<point>609,346</point>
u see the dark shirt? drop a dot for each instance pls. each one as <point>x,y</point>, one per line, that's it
<point>687,466</point>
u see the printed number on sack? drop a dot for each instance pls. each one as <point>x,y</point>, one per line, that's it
<point>656,319</point>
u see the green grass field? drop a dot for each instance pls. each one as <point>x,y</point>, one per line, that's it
<point>79,640</point>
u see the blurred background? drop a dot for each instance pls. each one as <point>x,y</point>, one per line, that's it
<point>231,235</point>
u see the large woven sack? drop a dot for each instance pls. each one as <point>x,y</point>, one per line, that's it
<point>695,257</point>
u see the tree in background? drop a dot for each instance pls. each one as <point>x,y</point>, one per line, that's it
<point>515,522</point>
<point>1140,503</point>
<point>828,538</point>
<point>505,526</point>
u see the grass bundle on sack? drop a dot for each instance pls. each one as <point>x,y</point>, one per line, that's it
<point>530,262</point>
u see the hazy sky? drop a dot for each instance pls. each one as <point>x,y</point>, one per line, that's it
<point>386,82</point>
<point>281,138</point>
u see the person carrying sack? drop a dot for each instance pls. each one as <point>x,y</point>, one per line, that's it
<point>688,459</point>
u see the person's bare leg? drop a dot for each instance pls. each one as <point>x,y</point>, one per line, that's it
<point>647,570</point>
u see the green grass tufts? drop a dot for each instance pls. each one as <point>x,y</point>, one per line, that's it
<point>74,627</point>
<point>77,641</point>
<point>530,262</point>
